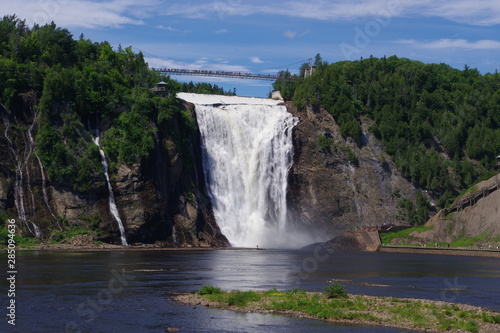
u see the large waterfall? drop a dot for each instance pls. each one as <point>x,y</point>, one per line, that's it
<point>247,154</point>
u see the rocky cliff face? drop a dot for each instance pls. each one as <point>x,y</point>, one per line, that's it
<point>160,200</point>
<point>334,184</point>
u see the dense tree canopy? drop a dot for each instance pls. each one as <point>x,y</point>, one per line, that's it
<point>78,84</point>
<point>441,125</point>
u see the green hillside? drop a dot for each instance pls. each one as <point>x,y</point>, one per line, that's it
<point>77,83</point>
<point>440,125</point>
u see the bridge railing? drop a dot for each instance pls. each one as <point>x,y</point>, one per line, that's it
<point>238,75</point>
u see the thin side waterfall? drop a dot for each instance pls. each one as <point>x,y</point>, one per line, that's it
<point>29,150</point>
<point>18,189</point>
<point>112,203</point>
<point>36,230</point>
<point>247,154</point>
<point>42,172</point>
<point>45,194</point>
<point>21,164</point>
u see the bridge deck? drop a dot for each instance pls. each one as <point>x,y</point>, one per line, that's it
<point>236,75</point>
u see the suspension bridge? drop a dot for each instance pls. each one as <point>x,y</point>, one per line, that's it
<point>234,75</point>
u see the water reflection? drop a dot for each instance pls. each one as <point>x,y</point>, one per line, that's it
<point>56,289</point>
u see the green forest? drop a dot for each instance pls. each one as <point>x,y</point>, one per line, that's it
<point>440,125</point>
<point>75,83</point>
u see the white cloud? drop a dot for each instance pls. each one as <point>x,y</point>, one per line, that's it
<point>190,10</point>
<point>116,13</point>
<point>81,13</point>
<point>479,12</point>
<point>313,9</point>
<point>169,28</point>
<point>256,60</point>
<point>221,31</point>
<point>464,44</point>
<point>303,33</point>
<point>172,29</point>
<point>453,44</point>
<point>290,34</point>
<point>406,41</point>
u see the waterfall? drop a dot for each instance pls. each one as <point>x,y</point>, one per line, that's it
<point>112,203</point>
<point>42,172</point>
<point>45,194</point>
<point>18,188</point>
<point>21,164</point>
<point>247,154</point>
<point>37,231</point>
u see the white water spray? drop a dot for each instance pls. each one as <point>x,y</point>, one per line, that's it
<point>247,154</point>
<point>112,203</point>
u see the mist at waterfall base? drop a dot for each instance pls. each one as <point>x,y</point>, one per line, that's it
<point>247,153</point>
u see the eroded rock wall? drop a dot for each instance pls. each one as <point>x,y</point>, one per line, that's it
<point>160,200</point>
<point>337,184</point>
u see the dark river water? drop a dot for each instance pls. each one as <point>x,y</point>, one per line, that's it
<point>129,291</point>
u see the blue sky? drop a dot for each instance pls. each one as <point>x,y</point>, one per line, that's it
<point>265,37</point>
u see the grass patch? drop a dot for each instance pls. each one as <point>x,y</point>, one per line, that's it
<point>242,298</point>
<point>208,290</point>
<point>386,238</point>
<point>494,239</point>
<point>237,298</point>
<point>470,326</point>
<point>21,242</point>
<point>417,314</point>
<point>495,319</point>
<point>61,236</point>
<point>465,242</point>
<point>27,242</point>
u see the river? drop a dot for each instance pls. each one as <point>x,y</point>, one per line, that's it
<point>129,291</point>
